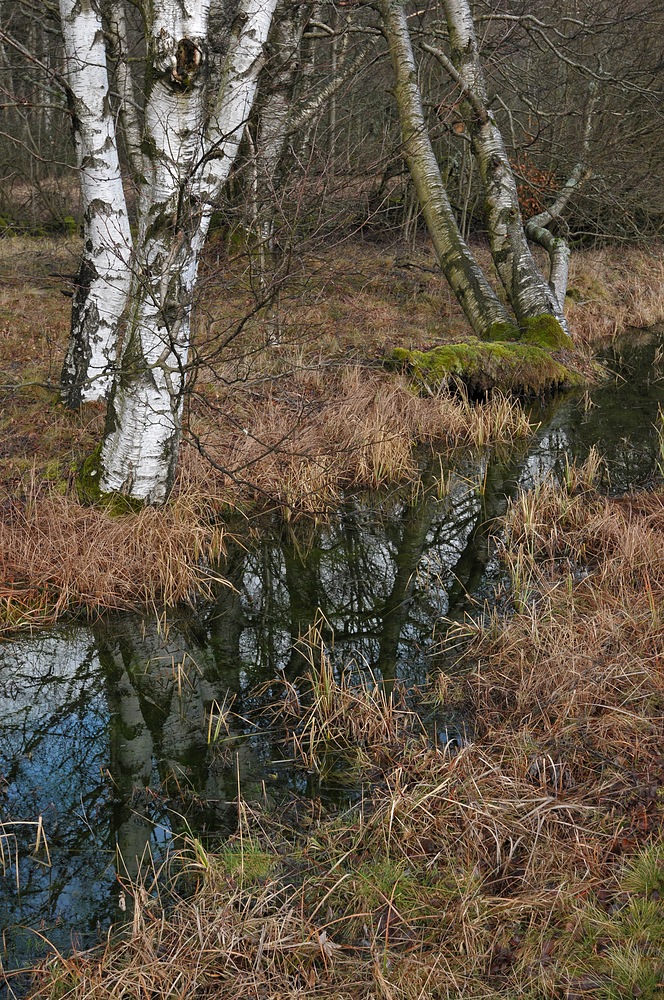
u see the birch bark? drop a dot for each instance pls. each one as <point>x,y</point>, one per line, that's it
<point>479,302</point>
<point>102,283</point>
<point>275,114</point>
<point>279,118</point>
<point>118,36</point>
<point>536,228</point>
<point>186,165</point>
<point>556,246</point>
<point>526,288</point>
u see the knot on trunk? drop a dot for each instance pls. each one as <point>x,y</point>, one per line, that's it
<point>185,64</point>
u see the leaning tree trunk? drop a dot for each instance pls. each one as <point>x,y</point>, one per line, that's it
<point>103,278</point>
<point>537,227</point>
<point>483,309</point>
<point>186,167</point>
<point>528,292</point>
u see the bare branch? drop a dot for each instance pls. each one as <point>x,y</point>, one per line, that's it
<point>452,71</point>
<point>53,74</point>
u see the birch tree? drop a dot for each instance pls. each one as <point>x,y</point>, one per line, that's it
<point>285,108</point>
<point>102,283</point>
<point>535,302</point>
<point>202,68</point>
<point>529,294</point>
<point>486,314</point>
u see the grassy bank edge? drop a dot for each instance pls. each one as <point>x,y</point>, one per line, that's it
<point>290,430</point>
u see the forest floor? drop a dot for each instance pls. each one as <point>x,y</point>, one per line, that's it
<point>528,862</point>
<point>289,408</point>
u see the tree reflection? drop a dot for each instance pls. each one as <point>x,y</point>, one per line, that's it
<point>117,735</point>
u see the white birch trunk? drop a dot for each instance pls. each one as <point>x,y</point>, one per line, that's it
<point>302,115</point>
<point>484,311</point>
<point>230,112</point>
<point>536,228</point>
<point>140,449</point>
<point>187,167</point>
<point>332,116</point>
<point>559,255</point>
<point>128,111</point>
<point>279,118</point>
<point>526,288</point>
<point>104,275</point>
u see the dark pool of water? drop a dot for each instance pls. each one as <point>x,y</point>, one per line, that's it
<point>105,730</point>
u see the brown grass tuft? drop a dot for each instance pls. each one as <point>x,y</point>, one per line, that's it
<point>328,430</point>
<point>582,651</point>
<point>611,290</point>
<point>291,425</point>
<point>57,556</point>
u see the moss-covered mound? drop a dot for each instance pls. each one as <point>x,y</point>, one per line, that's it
<point>540,331</point>
<point>480,367</point>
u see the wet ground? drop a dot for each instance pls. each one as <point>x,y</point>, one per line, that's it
<point>107,733</point>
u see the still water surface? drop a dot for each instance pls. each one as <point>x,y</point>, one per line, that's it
<point>104,730</point>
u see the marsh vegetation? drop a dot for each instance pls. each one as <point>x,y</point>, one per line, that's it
<point>488,823</point>
<point>331,511</point>
<point>524,859</point>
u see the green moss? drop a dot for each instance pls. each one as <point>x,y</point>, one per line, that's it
<point>503,331</point>
<point>134,366</point>
<point>522,369</point>
<point>384,879</point>
<point>246,861</point>
<point>544,331</point>
<point>621,946</point>
<point>89,491</point>
<point>87,479</point>
<point>55,475</point>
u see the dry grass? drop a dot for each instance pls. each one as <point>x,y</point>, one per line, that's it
<point>354,296</point>
<point>529,864</point>
<point>335,728</point>
<point>283,426</point>
<point>305,440</point>
<point>613,289</point>
<point>58,556</point>
<point>290,426</point>
<point>585,640</point>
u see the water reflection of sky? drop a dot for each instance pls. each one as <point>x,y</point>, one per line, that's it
<point>90,717</point>
<point>53,751</point>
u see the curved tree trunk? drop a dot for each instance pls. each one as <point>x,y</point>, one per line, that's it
<point>526,288</point>
<point>103,279</point>
<point>536,228</point>
<point>483,309</point>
